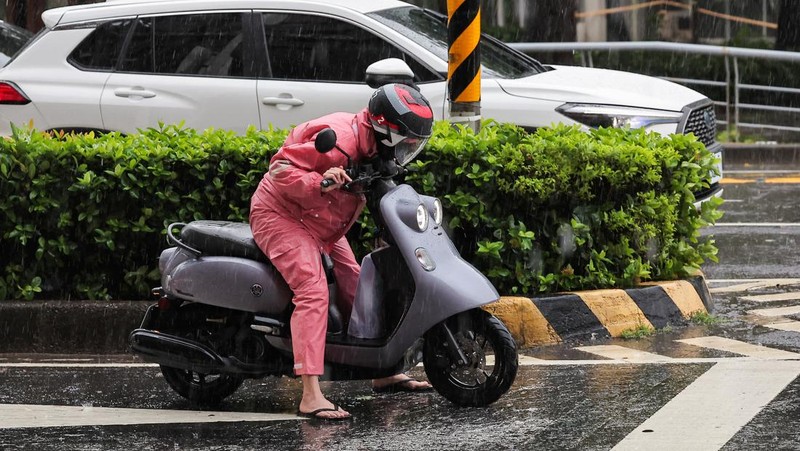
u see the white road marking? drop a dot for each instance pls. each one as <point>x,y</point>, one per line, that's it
<point>676,361</point>
<point>622,353</point>
<point>712,409</point>
<point>779,311</point>
<point>739,347</point>
<point>776,297</point>
<point>748,284</point>
<point>35,416</point>
<point>758,171</point>
<point>75,365</point>
<point>755,224</point>
<point>525,360</point>
<point>715,281</point>
<point>789,326</point>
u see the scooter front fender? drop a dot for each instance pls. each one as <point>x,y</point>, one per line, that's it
<point>445,284</point>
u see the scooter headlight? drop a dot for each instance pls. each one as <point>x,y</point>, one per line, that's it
<point>422,217</point>
<point>438,211</point>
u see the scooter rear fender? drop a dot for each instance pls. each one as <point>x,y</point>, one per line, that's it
<point>231,282</point>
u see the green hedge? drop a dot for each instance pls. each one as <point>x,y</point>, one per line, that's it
<point>566,210</point>
<point>83,216</point>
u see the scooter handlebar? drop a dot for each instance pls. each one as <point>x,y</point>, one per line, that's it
<point>359,177</point>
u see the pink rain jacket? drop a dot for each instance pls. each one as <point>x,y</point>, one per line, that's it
<point>292,185</point>
<point>293,221</point>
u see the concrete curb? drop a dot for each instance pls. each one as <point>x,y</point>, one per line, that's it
<point>604,313</point>
<point>69,327</point>
<point>97,327</point>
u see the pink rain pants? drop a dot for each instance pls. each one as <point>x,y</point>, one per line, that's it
<point>293,222</point>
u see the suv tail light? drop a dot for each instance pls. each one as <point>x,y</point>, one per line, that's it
<point>10,94</point>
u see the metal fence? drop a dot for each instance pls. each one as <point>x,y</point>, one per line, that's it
<point>733,85</point>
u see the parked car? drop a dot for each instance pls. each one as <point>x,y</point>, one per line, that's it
<point>126,65</point>
<point>12,39</point>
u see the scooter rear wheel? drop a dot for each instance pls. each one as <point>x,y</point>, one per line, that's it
<point>491,354</point>
<point>199,388</point>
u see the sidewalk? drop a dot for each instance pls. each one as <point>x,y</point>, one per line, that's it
<point>100,327</point>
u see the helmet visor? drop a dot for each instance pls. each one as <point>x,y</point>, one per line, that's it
<point>408,149</point>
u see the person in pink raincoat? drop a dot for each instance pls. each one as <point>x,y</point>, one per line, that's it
<point>294,219</point>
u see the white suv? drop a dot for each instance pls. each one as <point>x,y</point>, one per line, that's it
<point>126,65</point>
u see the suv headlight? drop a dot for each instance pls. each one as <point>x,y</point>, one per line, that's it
<point>593,115</point>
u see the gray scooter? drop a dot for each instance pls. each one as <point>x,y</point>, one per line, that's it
<point>223,310</point>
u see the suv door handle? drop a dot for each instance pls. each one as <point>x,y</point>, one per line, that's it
<point>291,101</point>
<point>134,92</point>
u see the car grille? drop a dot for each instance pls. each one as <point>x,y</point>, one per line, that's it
<point>702,122</point>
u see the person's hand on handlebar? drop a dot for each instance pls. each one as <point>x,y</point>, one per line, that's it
<point>334,178</point>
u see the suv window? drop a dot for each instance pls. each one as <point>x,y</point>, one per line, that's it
<point>100,50</point>
<point>307,47</point>
<point>195,44</point>
<point>429,29</point>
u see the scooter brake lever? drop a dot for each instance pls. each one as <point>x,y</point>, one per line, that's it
<point>359,181</point>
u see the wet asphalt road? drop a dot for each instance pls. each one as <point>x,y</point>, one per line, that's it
<point>559,407</point>
<point>563,398</point>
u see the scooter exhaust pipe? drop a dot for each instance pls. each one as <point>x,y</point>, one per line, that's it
<point>176,352</point>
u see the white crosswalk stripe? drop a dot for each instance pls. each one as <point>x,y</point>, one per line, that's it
<point>740,285</point>
<point>788,326</point>
<point>776,297</point>
<point>779,311</point>
<point>712,409</point>
<point>742,348</point>
<point>623,353</point>
<point>617,354</point>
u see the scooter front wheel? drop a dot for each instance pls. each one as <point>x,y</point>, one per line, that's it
<point>199,388</point>
<point>471,358</point>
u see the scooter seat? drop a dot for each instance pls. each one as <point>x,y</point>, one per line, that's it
<point>222,238</point>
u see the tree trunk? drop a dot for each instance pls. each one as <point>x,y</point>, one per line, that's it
<point>788,37</point>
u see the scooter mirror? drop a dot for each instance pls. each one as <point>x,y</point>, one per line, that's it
<point>325,141</point>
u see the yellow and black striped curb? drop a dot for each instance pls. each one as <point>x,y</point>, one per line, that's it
<point>551,319</point>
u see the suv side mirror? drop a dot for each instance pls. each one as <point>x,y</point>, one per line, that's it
<point>325,140</point>
<point>389,70</point>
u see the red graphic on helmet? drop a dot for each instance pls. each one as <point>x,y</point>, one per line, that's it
<point>419,108</point>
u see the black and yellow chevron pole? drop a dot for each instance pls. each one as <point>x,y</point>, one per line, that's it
<point>464,63</point>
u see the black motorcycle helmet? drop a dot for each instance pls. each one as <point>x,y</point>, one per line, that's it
<point>402,120</point>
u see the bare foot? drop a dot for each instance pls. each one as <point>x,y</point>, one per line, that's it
<point>314,404</point>
<point>323,410</point>
<point>400,382</point>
